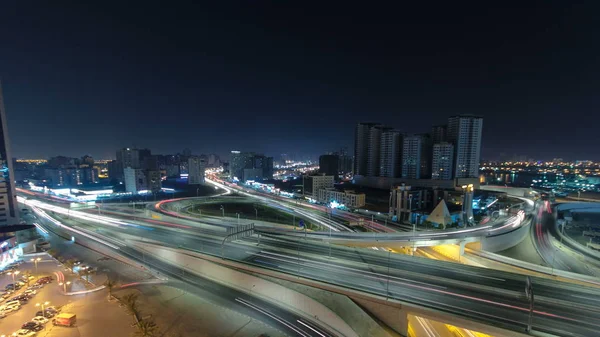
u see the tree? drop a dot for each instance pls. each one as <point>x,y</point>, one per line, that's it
<point>131,305</point>
<point>110,285</point>
<point>70,263</point>
<point>146,328</point>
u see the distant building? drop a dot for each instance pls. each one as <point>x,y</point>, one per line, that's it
<point>135,180</point>
<point>213,160</point>
<point>390,164</point>
<point>130,157</point>
<point>439,133</point>
<point>329,164</point>
<point>257,166</point>
<point>196,167</point>
<point>347,198</point>
<point>345,164</point>
<point>404,200</point>
<point>312,184</point>
<point>416,157</point>
<point>464,132</point>
<point>442,161</point>
<point>367,141</point>
<point>153,180</point>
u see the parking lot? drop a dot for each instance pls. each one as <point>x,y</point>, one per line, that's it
<point>89,308</point>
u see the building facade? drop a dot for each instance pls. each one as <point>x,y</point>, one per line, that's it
<point>329,164</point>
<point>416,157</point>
<point>464,132</point>
<point>442,161</point>
<point>196,170</point>
<point>390,164</point>
<point>258,166</point>
<point>405,200</point>
<point>346,198</point>
<point>312,184</point>
<point>439,133</point>
<point>9,212</point>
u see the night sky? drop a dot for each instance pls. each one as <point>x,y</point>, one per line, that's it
<point>278,77</point>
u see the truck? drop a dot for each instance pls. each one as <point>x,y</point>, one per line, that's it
<point>65,319</point>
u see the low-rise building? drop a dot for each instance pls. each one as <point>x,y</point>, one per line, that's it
<point>347,198</point>
<point>312,184</point>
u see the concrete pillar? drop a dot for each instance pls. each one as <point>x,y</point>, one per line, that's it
<point>462,248</point>
<point>391,314</point>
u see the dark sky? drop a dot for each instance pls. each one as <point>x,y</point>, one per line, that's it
<point>296,76</point>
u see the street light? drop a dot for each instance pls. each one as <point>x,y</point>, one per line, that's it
<point>222,211</point>
<point>36,262</point>
<point>13,274</point>
<point>256,211</point>
<point>198,192</point>
<point>64,285</point>
<point>238,216</point>
<point>42,305</point>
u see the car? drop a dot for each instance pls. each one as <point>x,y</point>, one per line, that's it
<point>33,326</point>
<point>53,309</point>
<point>10,308</point>
<point>24,333</point>
<point>30,291</point>
<point>10,286</point>
<point>13,302</point>
<point>21,299</point>
<point>40,319</point>
<point>47,313</point>
<point>36,286</point>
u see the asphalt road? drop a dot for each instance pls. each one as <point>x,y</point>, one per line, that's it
<point>489,296</point>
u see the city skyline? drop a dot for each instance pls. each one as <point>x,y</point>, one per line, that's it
<point>217,78</point>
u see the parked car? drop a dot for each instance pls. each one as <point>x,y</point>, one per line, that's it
<point>13,302</point>
<point>30,291</point>
<point>47,313</point>
<point>24,333</point>
<point>10,308</point>
<point>40,319</point>
<point>33,326</point>
<point>10,286</point>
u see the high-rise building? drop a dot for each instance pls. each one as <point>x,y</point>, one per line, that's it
<point>439,133</point>
<point>135,180</point>
<point>129,157</point>
<point>442,161</point>
<point>416,156</point>
<point>367,152</point>
<point>196,167</point>
<point>257,166</point>
<point>329,164</point>
<point>9,214</point>
<point>390,164</point>
<point>464,132</point>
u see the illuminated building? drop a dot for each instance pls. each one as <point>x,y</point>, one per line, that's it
<point>312,184</point>
<point>346,198</point>
<point>464,132</point>
<point>196,169</point>
<point>442,161</point>
<point>390,164</point>
<point>416,157</point>
<point>9,214</point>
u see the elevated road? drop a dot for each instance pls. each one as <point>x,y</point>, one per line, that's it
<point>488,296</point>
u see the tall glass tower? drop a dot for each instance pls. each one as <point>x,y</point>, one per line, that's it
<point>9,213</point>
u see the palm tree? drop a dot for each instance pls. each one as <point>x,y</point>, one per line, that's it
<point>146,328</point>
<point>110,285</point>
<point>131,305</point>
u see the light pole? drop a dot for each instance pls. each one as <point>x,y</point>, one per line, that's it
<point>13,275</point>
<point>256,212</point>
<point>36,262</point>
<point>387,290</point>
<point>43,304</point>
<point>238,216</point>
<point>410,197</point>
<point>222,211</point>
<point>198,192</point>
<point>294,219</point>
<point>64,285</point>
<point>529,293</point>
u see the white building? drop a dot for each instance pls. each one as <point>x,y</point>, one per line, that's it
<point>312,184</point>
<point>464,132</point>
<point>346,198</point>
<point>442,161</point>
<point>135,180</point>
<point>196,170</point>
